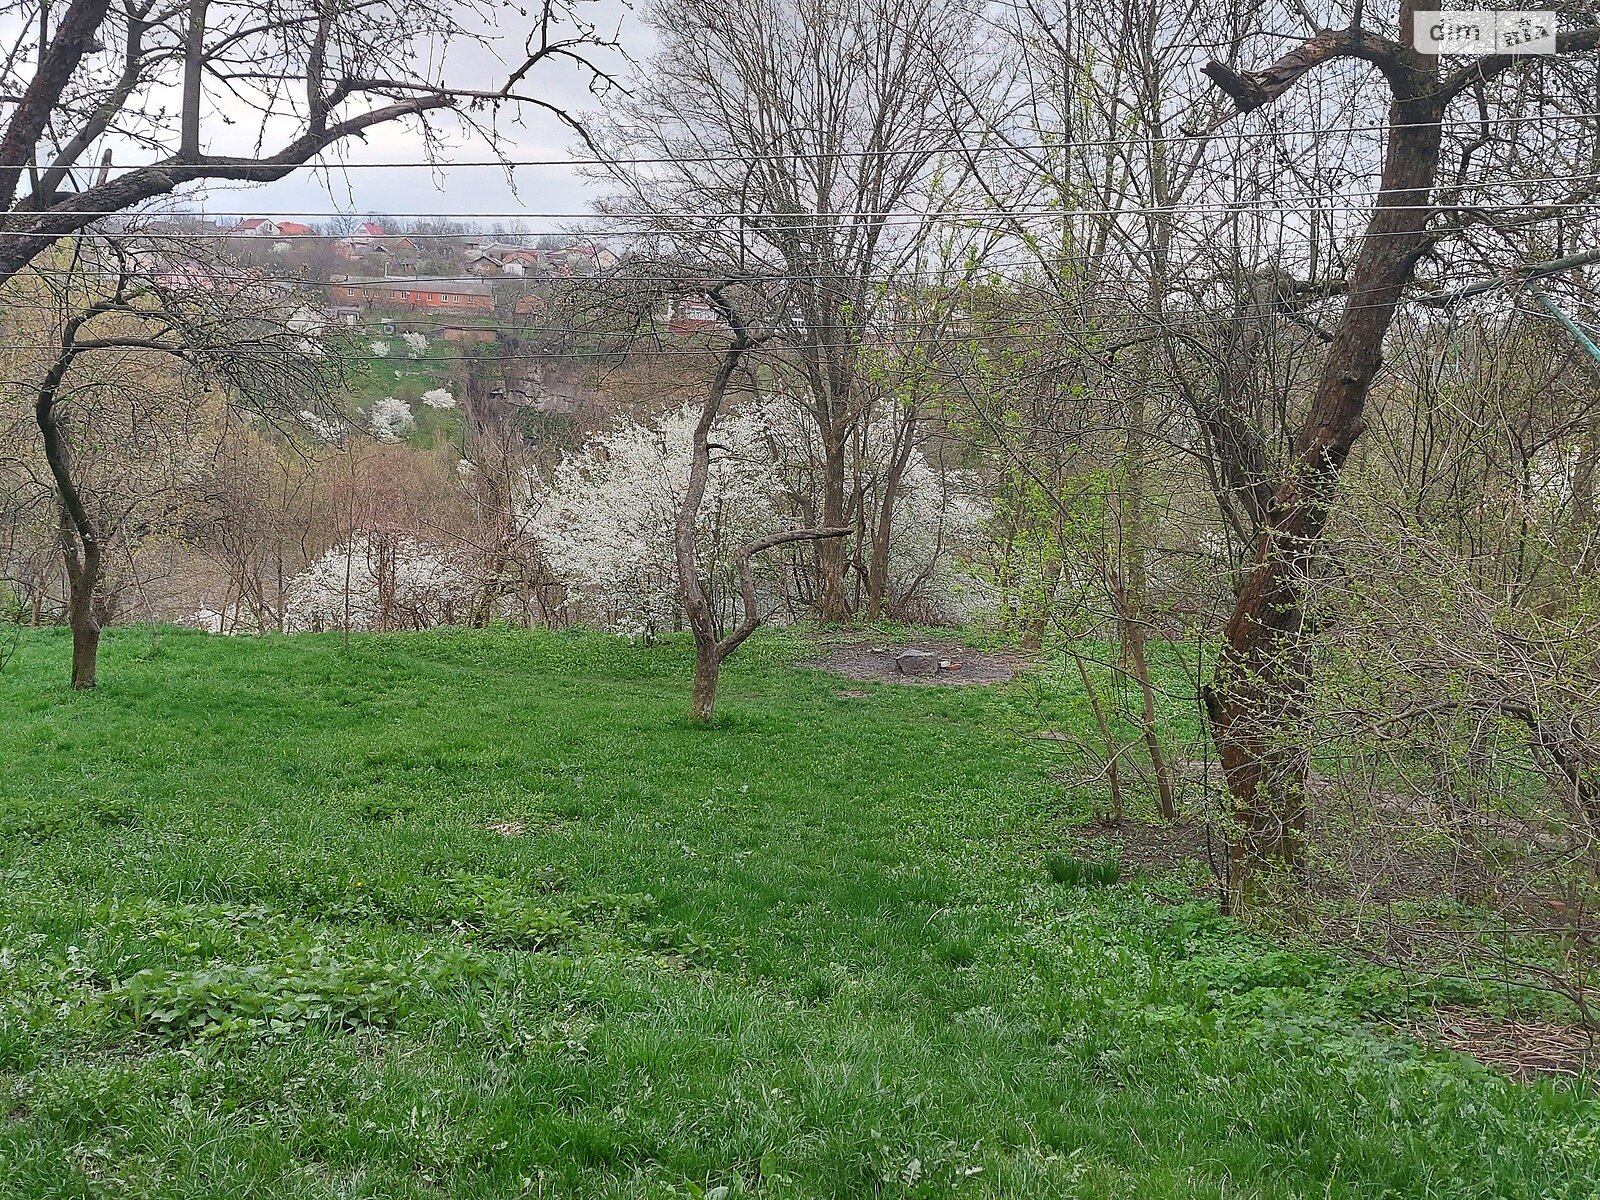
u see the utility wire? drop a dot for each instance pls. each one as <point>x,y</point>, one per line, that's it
<point>1001,147</point>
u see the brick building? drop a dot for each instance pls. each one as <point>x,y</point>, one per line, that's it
<point>418,295</point>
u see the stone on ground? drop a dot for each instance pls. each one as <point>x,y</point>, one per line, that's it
<point>916,662</point>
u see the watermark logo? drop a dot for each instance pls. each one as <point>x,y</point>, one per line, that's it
<point>1483,31</point>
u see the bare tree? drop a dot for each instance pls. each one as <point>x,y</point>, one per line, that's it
<point>120,315</point>
<point>799,142</point>
<point>1257,696</point>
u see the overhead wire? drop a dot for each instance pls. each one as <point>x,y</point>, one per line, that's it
<point>993,147</point>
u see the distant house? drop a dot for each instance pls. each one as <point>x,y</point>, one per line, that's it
<point>495,259</point>
<point>257,227</point>
<point>290,229</point>
<point>370,242</point>
<point>586,258</point>
<point>421,295</point>
<point>307,321</point>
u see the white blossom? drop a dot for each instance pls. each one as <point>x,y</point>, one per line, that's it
<point>606,520</point>
<point>391,419</point>
<point>380,582</point>
<point>207,619</point>
<point>322,428</point>
<point>380,349</point>
<point>438,398</point>
<point>416,344</point>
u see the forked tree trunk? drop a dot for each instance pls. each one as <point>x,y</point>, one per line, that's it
<point>1257,698</point>
<point>710,648</point>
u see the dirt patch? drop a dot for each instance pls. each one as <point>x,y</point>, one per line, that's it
<point>875,663</point>
<point>1149,849</point>
<point>1523,1049</point>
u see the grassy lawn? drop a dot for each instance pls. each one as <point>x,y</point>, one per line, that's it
<point>480,915</point>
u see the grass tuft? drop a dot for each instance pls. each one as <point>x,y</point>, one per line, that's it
<point>1083,872</point>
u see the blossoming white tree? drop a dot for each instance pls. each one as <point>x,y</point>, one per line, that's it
<point>379,582</point>
<point>606,520</point>
<point>391,419</point>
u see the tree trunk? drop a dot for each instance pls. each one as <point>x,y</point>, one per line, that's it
<point>1258,694</point>
<point>833,605</point>
<point>1133,646</point>
<point>1113,777</point>
<point>883,527</point>
<point>703,696</point>
<point>710,648</point>
<point>79,539</point>
<point>1131,592</point>
<point>85,630</point>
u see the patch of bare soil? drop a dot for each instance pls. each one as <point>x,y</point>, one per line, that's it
<point>875,663</point>
<point>1150,849</point>
<point>1524,1049</point>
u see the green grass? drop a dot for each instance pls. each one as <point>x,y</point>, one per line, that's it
<point>407,378</point>
<point>260,940</point>
<point>1082,872</point>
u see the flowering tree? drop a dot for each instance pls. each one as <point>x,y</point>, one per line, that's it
<point>391,419</point>
<point>607,519</point>
<point>375,581</point>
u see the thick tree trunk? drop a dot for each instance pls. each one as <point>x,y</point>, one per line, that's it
<point>1257,698</point>
<point>85,632</point>
<point>703,695</point>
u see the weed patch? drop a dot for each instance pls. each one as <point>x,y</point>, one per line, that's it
<point>322,986</point>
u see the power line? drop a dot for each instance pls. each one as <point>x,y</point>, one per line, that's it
<point>616,355</point>
<point>864,153</point>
